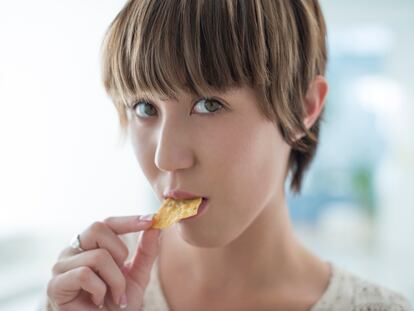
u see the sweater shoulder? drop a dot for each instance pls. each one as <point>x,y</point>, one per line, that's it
<point>347,291</point>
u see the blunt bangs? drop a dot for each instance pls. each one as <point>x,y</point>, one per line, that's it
<point>199,47</point>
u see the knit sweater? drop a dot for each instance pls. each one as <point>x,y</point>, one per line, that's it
<point>345,292</point>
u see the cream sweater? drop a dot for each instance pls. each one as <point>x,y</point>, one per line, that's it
<point>345,292</point>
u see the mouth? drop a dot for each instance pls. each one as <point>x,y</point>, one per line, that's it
<point>182,195</point>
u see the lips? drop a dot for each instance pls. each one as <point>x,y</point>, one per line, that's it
<point>182,195</point>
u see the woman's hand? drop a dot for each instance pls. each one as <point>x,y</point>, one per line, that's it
<point>98,278</point>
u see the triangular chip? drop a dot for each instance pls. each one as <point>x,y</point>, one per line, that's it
<point>172,211</point>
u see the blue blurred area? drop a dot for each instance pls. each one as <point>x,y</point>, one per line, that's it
<point>351,145</point>
<point>357,203</point>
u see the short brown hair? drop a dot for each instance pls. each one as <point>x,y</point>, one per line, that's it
<point>201,46</point>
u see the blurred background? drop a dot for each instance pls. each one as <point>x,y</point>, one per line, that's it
<point>62,165</point>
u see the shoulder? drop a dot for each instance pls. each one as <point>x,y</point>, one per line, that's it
<point>347,291</point>
<point>367,294</point>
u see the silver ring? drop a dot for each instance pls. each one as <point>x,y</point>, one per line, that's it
<point>75,243</point>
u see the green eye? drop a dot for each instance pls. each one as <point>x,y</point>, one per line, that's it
<point>144,109</point>
<point>208,106</point>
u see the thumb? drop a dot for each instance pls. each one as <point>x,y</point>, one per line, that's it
<point>147,251</point>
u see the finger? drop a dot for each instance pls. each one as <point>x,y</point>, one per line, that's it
<point>101,262</point>
<point>105,235</point>
<point>100,237</point>
<point>65,287</point>
<point>147,251</point>
<point>129,224</point>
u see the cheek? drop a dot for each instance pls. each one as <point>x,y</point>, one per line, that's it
<point>250,166</point>
<point>144,151</point>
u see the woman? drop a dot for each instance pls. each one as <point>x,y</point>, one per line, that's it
<point>223,100</point>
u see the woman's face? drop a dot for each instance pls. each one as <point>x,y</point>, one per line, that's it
<point>222,149</point>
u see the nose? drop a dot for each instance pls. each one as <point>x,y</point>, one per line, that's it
<point>174,147</point>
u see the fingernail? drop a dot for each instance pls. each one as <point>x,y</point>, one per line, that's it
<point>123,301</point>
<point>100,306</point>
<point>147,217</point>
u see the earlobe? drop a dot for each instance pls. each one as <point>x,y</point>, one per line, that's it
<point>314,101</point>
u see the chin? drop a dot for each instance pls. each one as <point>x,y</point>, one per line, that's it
<point>201,239</point>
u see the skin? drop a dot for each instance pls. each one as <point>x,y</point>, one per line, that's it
<point>241,253</point>
<point>100,275</point>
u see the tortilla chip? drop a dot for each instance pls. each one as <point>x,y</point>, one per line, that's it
<point>172,211</point>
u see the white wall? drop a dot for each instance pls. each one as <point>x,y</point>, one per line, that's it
<point>61,162</point>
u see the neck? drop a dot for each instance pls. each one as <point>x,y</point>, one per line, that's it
<point>264,255</point>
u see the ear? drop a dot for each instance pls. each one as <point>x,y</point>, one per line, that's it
<point>314,101</point>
